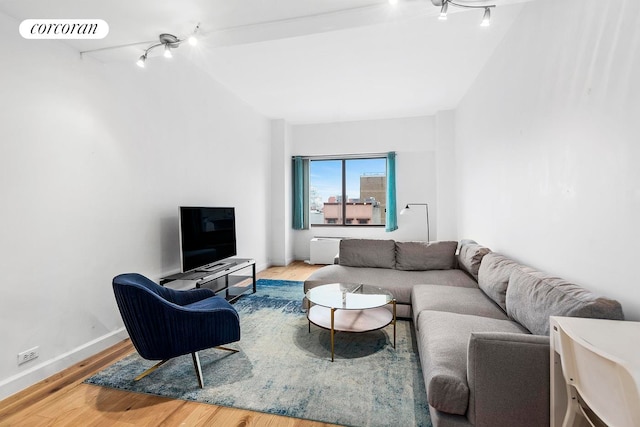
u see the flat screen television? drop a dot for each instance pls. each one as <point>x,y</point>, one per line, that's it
<point>207,236</point>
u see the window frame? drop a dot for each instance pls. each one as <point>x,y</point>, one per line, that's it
<point>343,159</point>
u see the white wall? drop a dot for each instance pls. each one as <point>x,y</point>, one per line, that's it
<point>548,145</point>
<point>446,175</point>
<point>281,249</point>
<point>415,140</point>
<point>94,161</point>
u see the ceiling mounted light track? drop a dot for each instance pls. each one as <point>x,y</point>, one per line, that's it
<point>165,40</point>
<point>444,7</point>
<point>168,42</point>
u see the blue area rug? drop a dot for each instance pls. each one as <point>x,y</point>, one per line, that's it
<point>283,369</point>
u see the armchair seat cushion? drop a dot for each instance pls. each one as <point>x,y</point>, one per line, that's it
<point>211,303</point>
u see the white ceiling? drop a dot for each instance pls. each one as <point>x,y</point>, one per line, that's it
<point>304,61</point>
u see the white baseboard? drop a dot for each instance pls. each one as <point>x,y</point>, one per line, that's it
<point>289,260</point>
<point>50,367</point>
<point>263,266</point>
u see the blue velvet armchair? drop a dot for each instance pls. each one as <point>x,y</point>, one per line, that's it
<point>164,323</point>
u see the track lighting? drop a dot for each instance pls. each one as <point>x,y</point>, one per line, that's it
<point>142,60</point>
<point>167,42</point>
<point>486,19</point>
<point>443,11</point>
<point>444,5</point>
<point>193,40</point>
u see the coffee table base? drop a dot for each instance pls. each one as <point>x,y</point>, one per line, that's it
<point>370,319</point>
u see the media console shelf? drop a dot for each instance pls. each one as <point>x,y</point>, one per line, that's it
<point>233,279</point>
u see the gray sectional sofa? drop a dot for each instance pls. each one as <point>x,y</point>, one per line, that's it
<point>481,322</point>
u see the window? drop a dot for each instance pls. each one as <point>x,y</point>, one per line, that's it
<point>347,191</point>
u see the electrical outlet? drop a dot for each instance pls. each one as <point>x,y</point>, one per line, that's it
<point>27,355</point>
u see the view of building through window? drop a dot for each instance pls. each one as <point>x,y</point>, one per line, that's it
<point>363,201</point>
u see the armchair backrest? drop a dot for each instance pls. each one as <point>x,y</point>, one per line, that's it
<point>145,311</point>
<point>164,323</point>
<point>141,282</point>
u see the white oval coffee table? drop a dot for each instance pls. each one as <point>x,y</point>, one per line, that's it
<point>349,307</point>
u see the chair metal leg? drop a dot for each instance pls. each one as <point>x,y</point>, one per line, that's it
<point>196,364</point>
<point>151,369</point>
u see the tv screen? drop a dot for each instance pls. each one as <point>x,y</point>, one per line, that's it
<point>207,235</point>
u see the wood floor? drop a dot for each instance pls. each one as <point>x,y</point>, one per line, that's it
<point>63,400</point>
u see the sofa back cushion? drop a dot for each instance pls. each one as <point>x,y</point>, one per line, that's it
<point>493,277</point>
<point>470,257</point>
<point>415,256</point>
<point>533,296</point>
<point>368,253</point>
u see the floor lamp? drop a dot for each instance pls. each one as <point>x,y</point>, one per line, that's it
<point>426,207</point>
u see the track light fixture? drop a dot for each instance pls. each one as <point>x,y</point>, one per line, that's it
<point>443,11</point>
<point>142,60</point>
<point>193,39</point>
<point>444,6</point>
<point>486,19</point>
<point>167,51</point>
<point>167,42</point>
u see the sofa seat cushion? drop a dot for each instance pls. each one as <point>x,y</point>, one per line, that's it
<point>426,256</point>
<point>398,282</point>
<point>533,296</point>
<point>444,341</point>
<point>368,253</point>
<point>453,300</point>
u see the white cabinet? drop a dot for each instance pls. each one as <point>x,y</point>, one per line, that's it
<point>323,250</point>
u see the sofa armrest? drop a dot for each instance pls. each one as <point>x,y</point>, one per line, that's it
<point>508,377</point>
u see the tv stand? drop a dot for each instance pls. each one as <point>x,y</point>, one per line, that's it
<point>213,268</point>
<point>229,277</point>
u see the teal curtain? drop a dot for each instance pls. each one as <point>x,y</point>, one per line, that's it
<point>391,218</point>
<point>298,194</point>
